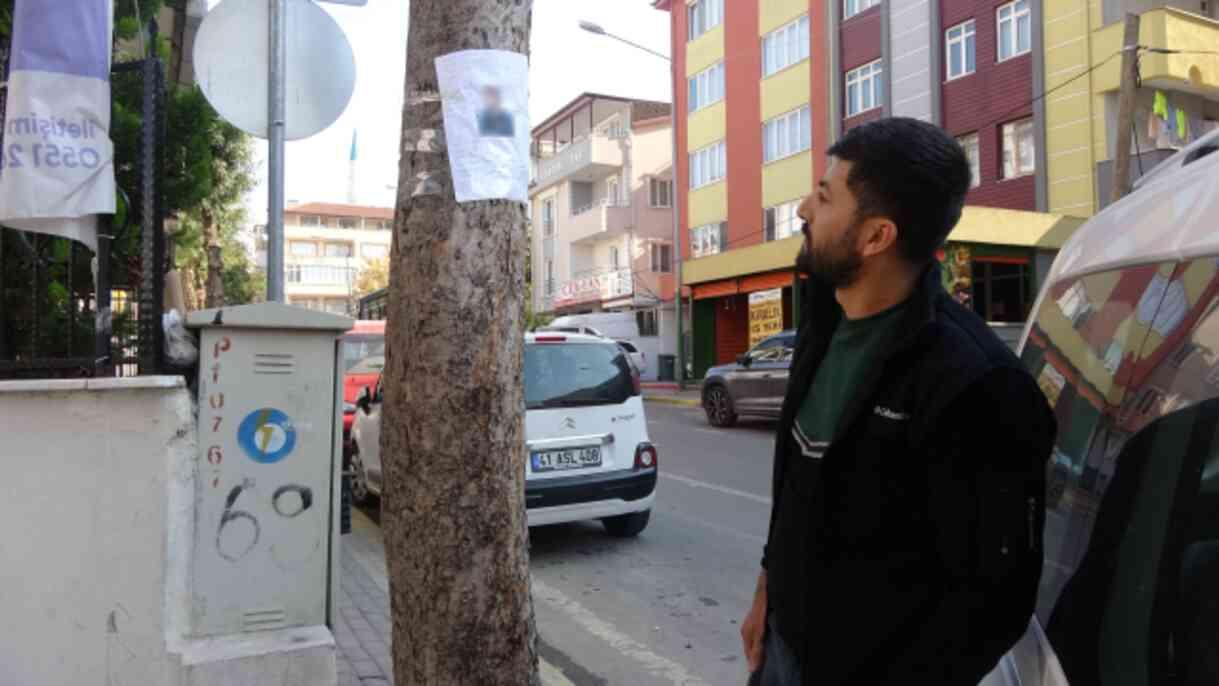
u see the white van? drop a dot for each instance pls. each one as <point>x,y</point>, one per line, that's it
<point>1124,341</point>
<point>589,455</point>
<point>618,326</point>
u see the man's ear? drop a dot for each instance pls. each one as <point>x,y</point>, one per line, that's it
<point>877,235</point>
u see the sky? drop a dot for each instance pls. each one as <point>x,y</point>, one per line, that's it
<point>564,62</point>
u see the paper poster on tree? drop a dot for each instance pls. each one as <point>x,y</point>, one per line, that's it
<point>765,315</point>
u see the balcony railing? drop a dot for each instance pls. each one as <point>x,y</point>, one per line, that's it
<point>598,151</point>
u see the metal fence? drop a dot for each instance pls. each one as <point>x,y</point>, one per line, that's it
<point>373,305</point>
<point>66,313</point>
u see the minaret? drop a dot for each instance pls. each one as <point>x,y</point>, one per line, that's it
<point>351,171</point>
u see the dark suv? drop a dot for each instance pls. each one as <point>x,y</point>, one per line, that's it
<point>753,386</point>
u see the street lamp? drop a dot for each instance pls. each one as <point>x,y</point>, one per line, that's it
<point>597,29</point>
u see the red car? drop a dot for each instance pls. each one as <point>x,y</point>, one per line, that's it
<point>363,358</point>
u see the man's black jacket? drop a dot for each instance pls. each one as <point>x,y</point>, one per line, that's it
<point>914,555</point>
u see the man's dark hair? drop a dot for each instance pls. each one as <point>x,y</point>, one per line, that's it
<point>912,172</point>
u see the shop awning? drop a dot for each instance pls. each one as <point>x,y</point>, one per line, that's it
<point>1014,227</point>
<point>1038,230</point>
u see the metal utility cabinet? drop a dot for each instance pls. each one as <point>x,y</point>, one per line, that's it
<point>265,543</point>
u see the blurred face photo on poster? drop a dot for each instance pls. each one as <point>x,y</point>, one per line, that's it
<point>493,120</point>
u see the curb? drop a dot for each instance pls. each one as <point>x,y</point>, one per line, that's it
<point>680,402</point>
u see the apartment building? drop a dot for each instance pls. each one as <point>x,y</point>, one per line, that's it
<point>785,78</point>
<point>601,210</point>
<point>325,247</point>
<point>1177,101</point>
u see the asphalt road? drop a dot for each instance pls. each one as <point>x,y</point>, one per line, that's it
<point>663,608</point>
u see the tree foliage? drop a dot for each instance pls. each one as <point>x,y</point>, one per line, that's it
<point>207,164</point>
<point>373,277</point>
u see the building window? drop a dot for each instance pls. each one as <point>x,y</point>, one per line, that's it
<point>1019,149</point>
<point>374,251</point>
<point>959,44</point>
<point>707,239</point>
<point>784,47</point>
<point>319,274</point>
<point>380,224</point>
<point>1015,34</point>
<point>549,277</point>
<point>338,250</point>
<point>646,319</point>
<point>614,129</point>
<point>708,165</point>
<point>864,88</point>
<point>303,249</point>
<point>1001,290</point>
<point>852,7</point>
<point>660,192</point>
<point>335,306</point>
<point>311,220</point>
<point>707,87</point>
<point>786,135</point>
<point>349,222</point>
<point>702,16</point>
<point>781,221</point>
<point>614,257</point>
<point>662,257</point>
<point>548,217</point>
<point>970,145</point>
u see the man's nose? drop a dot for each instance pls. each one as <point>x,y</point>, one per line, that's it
<point>805,211</point>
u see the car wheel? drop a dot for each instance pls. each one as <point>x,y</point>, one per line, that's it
<point>718,407</point>
<point>627,525</point>
<point>358,481</point>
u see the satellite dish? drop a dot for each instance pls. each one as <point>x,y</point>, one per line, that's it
<point>232,64</point>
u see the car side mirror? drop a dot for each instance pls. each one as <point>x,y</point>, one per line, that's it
<point>744,360</point>
<point>364,402</point>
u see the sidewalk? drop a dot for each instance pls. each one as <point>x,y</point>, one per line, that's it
<point>669,394</point>
<point>362,629</point>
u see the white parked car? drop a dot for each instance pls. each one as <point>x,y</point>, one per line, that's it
<point>589,455</point>
<point>1124,341</point>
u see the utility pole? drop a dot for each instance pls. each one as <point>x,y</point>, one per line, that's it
<point>277,99</point>
<point>1125,108</point>
<point>452,432</point>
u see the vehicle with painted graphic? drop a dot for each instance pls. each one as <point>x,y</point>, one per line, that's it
<point>1124,342</point>
<point>586,433</point>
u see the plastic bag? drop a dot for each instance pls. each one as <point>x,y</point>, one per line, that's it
<point>180,347</point>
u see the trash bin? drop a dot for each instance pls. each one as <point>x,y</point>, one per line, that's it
<point>667,367</point>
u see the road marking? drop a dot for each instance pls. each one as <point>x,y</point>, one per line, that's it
<point>721,489</point>
<point>660,666</point>
<point>759,540</point>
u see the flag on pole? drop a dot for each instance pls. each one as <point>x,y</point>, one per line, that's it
<point>58,161</point>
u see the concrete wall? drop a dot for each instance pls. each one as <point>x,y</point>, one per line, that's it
<point>1115,10</point>
<point>95,470</point>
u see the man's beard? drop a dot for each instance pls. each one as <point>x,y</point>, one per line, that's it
<point>838,264</point>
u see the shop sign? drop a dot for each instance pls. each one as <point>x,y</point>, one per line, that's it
<point>765,315</point>
<point>576,291</point>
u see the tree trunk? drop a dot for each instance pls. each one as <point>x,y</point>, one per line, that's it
<point>215,261</point>
<point>190,288</point>
<point>453,438</point>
